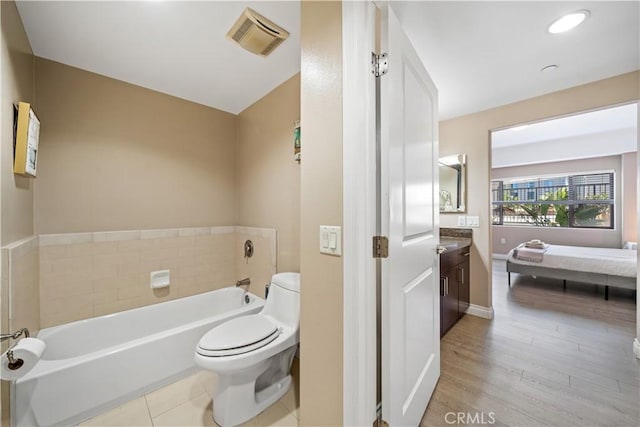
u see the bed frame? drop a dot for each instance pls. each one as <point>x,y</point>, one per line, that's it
<point>605,280</point>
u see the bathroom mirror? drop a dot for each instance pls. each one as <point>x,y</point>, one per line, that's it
<point>453,183</point>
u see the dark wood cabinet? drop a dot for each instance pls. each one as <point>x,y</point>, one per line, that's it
<point>454,287</point>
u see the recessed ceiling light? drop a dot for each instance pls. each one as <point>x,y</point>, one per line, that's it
<point>548,68</point>
<point>568,22</point>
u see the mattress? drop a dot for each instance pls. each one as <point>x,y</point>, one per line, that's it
<point>615,262</point>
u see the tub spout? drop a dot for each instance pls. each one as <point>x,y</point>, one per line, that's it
<point>243,282</point>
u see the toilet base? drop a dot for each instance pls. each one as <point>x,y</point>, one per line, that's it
<point>241,396</point>
<point>263,399</point>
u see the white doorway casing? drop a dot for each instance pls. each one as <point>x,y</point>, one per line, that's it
<point>359,198</point>
<point>359,204</point>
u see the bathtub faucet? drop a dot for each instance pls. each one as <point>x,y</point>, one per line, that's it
<point>243,282</point>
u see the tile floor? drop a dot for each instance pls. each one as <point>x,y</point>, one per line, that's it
<point>187,402</point>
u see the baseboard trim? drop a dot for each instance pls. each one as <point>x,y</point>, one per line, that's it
<point>636,348</point>
<point>480,311</point>
<point>499,256</point>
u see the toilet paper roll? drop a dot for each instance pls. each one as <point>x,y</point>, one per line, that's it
<point>30,351</point>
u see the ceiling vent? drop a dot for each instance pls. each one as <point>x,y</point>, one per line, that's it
<point>256,33</point>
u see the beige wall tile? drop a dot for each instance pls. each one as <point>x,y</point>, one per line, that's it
<point>66,238</point>
<point>129,292</point>
<point>116,306</point>
<point>91,248</point>
<point>154,296</point>
<point>159,234</point>
<point>261,266</point>
<point>109,276</point>
<point>130,245</point>
<point>54,252</point>
<point>64,289</point>
<point>194,231</point>
<point>115,236</point>
<point>25,291</point>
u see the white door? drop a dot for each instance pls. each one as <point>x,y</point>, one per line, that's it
<point>409,218</point>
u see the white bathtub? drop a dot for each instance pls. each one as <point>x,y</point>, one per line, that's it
<point>93,365</point>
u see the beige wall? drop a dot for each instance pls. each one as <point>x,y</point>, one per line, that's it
<point>268,178</point>
<point>321,203</point>
<point>17,85</point>
<point>115,156</point>
<point>515,235</point>
<point>471,135</point>
<point>16,200</point>
<point>629,197</point>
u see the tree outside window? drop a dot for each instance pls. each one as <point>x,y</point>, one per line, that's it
<point>577,201</point>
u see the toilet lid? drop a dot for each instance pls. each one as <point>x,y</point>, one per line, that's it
<point>239,335</point>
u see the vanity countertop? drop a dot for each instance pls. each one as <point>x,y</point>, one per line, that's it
<point>453,243</point>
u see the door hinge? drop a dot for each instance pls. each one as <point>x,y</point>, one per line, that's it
<point>379,64</point>
<point>380,247</point>
<point>379,422</point>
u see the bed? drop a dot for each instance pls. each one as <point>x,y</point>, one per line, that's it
<point>598,266</point>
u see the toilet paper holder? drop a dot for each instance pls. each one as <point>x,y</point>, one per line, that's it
<point>14,363</point>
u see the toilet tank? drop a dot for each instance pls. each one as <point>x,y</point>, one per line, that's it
<point>283,302</point>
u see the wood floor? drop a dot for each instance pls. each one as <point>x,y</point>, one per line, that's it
<point>548,358</point>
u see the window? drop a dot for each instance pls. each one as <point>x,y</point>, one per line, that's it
<point>577,201</point>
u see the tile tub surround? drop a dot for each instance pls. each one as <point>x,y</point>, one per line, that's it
<point>21,276</point>
<point>84,275</point>
<point>262,265</point>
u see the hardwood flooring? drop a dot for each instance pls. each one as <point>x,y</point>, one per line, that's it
<point>550,357</point>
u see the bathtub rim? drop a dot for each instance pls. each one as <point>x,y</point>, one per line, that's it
<point>48,366</point>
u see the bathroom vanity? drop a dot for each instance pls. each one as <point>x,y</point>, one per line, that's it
<point>454,276</point>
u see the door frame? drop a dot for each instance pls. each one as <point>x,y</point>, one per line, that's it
<point>359,214</point>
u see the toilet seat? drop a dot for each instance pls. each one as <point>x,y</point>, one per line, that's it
<point>240,335</point>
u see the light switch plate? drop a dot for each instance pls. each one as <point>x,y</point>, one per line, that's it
<point>473,221</point>
<point>331,240</point>
<point>462,221</point>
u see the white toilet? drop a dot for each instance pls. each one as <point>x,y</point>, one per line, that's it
<point>252,354</point>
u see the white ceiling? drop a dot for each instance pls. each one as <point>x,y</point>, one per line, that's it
<point>485,54</point>
<point>607,132</point>
<point>608,120</point>
<point>479,54</point>
<point>177,48</point>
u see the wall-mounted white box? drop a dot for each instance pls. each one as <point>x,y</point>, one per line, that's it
<point>160,279</point>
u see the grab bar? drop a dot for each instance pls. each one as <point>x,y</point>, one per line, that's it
<point>15,335</point>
